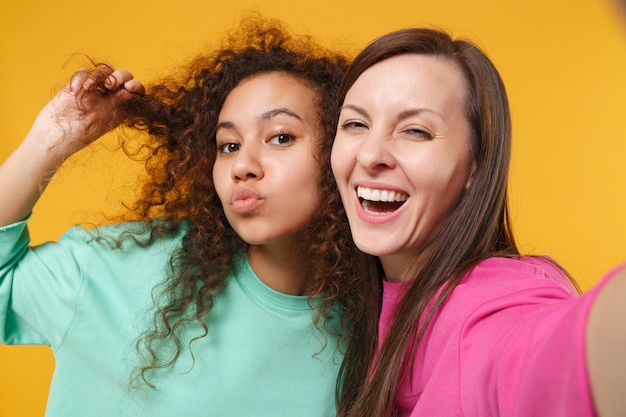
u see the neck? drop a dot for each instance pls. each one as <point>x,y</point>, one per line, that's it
<point>281,267</point>
<point>398,267</point>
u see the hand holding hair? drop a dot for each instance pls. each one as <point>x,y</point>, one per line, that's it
<point>79,114</point>
<point>84,110</point>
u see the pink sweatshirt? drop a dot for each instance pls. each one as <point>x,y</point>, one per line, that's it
<point>508,342</point>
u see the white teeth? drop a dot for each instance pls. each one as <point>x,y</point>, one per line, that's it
<point>380,195</point>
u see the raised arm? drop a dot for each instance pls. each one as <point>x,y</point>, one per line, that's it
<point>606,348</point>
<point>82,112</point>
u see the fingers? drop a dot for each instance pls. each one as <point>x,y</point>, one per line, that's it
<point>105,80</point>
<point>123,79</point>
<point>78,81</point>
<point>117,78</point>
<point>85,80</point>
<point>135,87</point>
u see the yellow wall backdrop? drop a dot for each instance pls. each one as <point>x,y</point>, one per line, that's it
<point>564,63</point>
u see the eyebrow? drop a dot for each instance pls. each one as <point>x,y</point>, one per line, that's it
<point>224,125</point>
<point>414,112</point>
<point>401,116</point>
<point>275,112</point>
<point>263,117</point>
<point>357,109</point>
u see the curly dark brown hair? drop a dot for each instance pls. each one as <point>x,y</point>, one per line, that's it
<point>180,115</point>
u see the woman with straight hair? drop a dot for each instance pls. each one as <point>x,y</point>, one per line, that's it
<point>458,322</point>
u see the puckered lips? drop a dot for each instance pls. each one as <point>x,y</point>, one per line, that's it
<point>380,202</point>
<point>244,200</point>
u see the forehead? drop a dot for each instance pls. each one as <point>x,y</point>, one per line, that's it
<point>415,79</point>
<point>271,89</point>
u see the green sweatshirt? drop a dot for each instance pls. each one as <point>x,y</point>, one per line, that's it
<point>90,303</point>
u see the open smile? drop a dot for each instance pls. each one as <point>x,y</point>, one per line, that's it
<point>380,202</point>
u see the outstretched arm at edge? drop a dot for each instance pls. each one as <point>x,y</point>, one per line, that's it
<point>606,347</point>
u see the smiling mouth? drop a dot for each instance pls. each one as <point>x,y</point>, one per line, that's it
<point>375,201</point>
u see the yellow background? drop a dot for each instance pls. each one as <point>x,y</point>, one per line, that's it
<point>564,63</point>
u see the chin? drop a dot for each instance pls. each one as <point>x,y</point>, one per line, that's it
<point>371,248</point>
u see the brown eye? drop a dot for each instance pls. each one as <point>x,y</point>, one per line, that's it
<point>281,139</point>
<point>228,148</point>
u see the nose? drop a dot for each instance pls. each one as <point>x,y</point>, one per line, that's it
<point>246,164</point>
<point>375,152</point>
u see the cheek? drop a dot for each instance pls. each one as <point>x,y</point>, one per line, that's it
<point>439,178</point>
<point>299,172</point>
<point>446,186</point>
<point>311,182</point>
<point>301,197</point>
<point>221,177</point>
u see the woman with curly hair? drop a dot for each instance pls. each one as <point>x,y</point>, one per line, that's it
<point>228,292</point>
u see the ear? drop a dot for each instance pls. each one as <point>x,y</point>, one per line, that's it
<point>470,177</point>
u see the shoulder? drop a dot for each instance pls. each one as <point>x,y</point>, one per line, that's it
<point>120,234</point>
<point>509,287</point>
<point>509,300</point>
<point>122,240</point>
<point>517,274</point>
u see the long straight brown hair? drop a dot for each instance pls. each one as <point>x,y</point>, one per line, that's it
<point>476,228</point>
